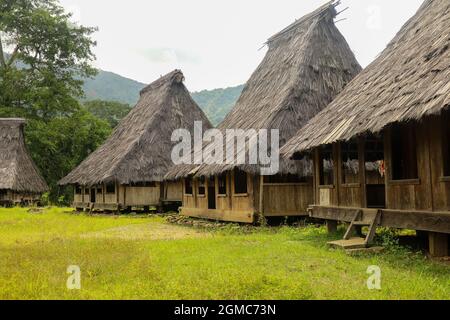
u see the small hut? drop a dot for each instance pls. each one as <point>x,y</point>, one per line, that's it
<point>381,148</point>
<point>306,66</point>
<point>127,170</point>
<point>20,180</point>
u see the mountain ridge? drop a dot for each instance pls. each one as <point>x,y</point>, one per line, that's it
<point>110,86</point>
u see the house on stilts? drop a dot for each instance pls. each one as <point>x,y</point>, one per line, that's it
<point>20,180</point>
<point>127,171</point>
<point>306,66</point>
<point>381,149</point>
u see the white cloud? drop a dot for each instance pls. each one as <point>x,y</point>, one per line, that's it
<point>216,43</point>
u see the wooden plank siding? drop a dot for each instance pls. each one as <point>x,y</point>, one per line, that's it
<point>421,203</point>
<point>129,196</point>
<point>287,199</point>
<point>229,207</point>
<point>279,199</point>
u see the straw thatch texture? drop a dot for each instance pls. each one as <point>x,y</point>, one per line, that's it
<point>139,149</point>
<point>17,170</point>
<point>409,80</point>
<point>306,66</point>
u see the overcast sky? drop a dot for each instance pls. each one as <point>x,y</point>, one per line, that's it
<point>216,43</point>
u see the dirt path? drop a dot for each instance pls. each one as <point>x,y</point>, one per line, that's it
<point>148,231</point>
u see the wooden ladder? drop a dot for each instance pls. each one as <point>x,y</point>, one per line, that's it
<point>364,219</point>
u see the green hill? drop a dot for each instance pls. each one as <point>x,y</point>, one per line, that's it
<point>109,86</point>
<point>112,87</point>
<point>218,102</point>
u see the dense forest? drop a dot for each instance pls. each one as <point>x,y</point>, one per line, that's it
<point>46,77</point>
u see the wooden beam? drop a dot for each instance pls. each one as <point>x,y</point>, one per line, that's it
<point>402,219</point>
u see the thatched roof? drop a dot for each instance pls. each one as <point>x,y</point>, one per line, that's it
<point>17,170</point>
<point>139,149</point>
<point>409,80</point>
<point>306,66</point>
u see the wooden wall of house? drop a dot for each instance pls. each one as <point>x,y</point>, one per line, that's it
<point>173,191</point>
<point>410,194</point>
<point>5,195</point>
<point>229,207</point>
<point>287,199</point>
<point>202,200</point>
<point>429,191</point>
<point>78,198</point>
<point>140,196</point>
<point>279,199</point>
<point>224,201</point>
<point>243,202</point>
<point>18,197</point>
<point>189,199</point>
<point>230,201</point>
<point>325,195</point>
<point>109,197</point>
<point>440,180</point>
<point>123,195</point>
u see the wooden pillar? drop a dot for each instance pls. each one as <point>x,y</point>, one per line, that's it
<point>332,226</point>
<point>116,191</point>
<point>438,244</point>
<point>125,195</point>
<point>261,195</point>
<point>336,156</point>
<point>362,172</point>
<point>229,190</point>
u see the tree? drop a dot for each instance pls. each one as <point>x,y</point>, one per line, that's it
<point>110,111</point>
<point>63,143</point>
<point>43,59</point>
<point>48,55</point>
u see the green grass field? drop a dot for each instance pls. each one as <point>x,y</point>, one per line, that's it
<point>147,258</point>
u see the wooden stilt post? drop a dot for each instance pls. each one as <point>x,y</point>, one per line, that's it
<point>438,244</point>
<point>332,226</point>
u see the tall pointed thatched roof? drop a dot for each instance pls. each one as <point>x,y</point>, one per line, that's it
<point>17,170</point>
<point>409,80</point>
<point>139,149</point>
<point>306,66</point>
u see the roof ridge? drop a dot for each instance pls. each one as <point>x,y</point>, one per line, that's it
<point>314,14</point>
<point>176,76</point>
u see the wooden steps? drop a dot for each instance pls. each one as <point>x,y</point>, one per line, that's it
<point>353,243</point>
<point>366,218</point>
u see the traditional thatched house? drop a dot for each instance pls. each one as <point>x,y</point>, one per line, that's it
<point>306,66</point>
<point>127,170</point>
<point>381,148</point>
<point>20,180</point>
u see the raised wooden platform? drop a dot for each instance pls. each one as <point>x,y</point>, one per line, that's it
<point>403,219</point>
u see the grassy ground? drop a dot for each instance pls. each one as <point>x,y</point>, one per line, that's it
<point>147,258</point>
